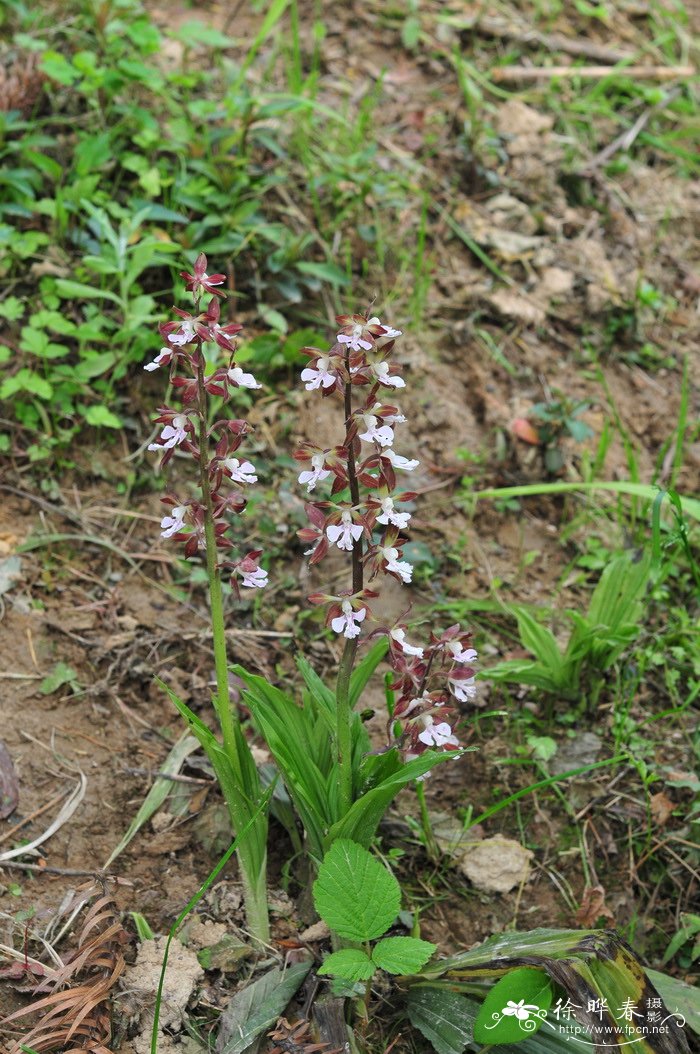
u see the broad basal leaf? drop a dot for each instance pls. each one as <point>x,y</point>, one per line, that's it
<point>352,964</point>
<point>402,954</point>
<point>354,893</point>
<point>443,1017</point>
<point>515,1008</point>
<point>257,1007</point>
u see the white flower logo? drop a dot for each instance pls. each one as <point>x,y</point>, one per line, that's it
<point>521,1010</point>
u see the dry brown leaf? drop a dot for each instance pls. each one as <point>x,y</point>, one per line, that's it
<point>661,808</point>
<point>522,429</point>
<point>593,908</point>
<point>81,1014</point>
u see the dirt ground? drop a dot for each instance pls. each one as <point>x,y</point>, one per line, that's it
<point>101,593</point>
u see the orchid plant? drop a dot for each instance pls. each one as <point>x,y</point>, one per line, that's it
<point>201,525</point>
<point>339,785</point>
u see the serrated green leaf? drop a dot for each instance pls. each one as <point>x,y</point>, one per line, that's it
<point>26,380</point>
<point>515,1008</point>
<point>443,1017</point>
<point>60,675</point>
<point>354,893</point>
<point>352,964</point>
<point>12,309</point>
<point>402,954</point>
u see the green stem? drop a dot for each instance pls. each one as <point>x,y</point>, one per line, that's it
<point>343,742</point>
<point>343,728</point>
<point>252,856</point>
<point>228,718</point>
<point>431,845</point>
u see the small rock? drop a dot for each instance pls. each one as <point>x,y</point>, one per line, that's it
<point>318,932</point>
<point>514,306</point>
<point>575,753</point>
<point>225,955</point>
<point>496,865</point>
<point>181,978</point>
<point>556,282</point>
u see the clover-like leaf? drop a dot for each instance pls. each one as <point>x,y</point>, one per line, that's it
<point>402,954</point>
<point>352,964</point>
<point>354,893</point>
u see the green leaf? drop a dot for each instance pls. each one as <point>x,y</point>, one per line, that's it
<point>100,417</point>
<point>26,380</point>
<point>515,1007</point>
<point>12,308</point>
<point>678,996</point>
<point>402,954</point>
<point>60,675</point>
<point>36,342</point>
<point>350,963</point>
<point>257,1007</point>
<point>143,930</point>
<point>363,817</point>
<point>92,153</point>
<point>443,1017</point>
<point>94,366</point>
<point>79,291</point>
<point>327,272</point>
<point>195,32</point>
<point>354,893</point>
<point>57,68</point>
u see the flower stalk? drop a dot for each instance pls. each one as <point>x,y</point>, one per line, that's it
<point>202,524</point>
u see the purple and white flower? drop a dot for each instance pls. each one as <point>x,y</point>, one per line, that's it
<point>439,735</point>
<point>463,688</point>
<point>239,471</point>
<point>184,335</point>
<point>319,375</point>
<point>256,579</point>
<point>162,359</point>
<point>240,379</point>
<point>402,568</point>
<point>399,635</point>
<point>390,515</point>
<point>173,523</point>
<point>317,472</point>
<point>173,434</point>
<point>355,340</point>
<point>460,654</point>
<point>384,435</point>
<point>384,377</point>
<point>345,533</point>
<point>348,622</point>
<point>400,462</point>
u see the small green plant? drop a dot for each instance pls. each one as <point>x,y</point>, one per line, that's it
<point>360,899</point>
<point>596,642</point>
<point>555,419</point>
<point>685,944</point>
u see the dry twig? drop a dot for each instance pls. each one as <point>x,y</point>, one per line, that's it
<point>526,74</point>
